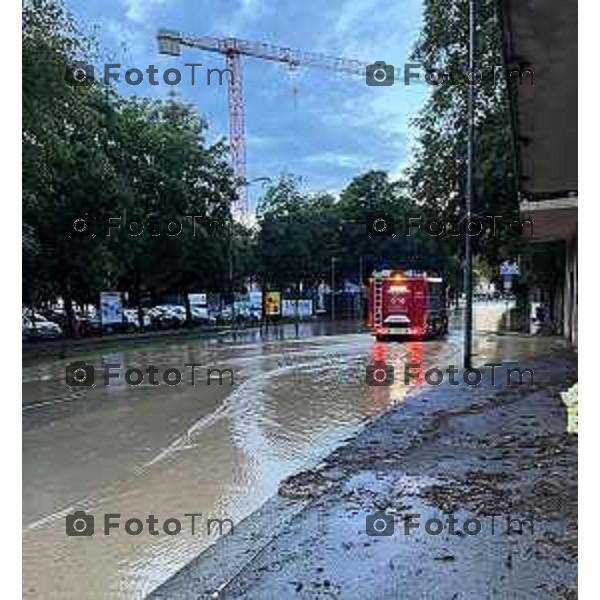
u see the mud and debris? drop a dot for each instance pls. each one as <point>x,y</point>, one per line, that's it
<point>304,485</point>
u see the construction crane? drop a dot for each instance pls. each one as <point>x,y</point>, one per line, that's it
<point>170,42</point>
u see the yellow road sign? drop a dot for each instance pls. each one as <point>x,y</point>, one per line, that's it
<point>273,303</point>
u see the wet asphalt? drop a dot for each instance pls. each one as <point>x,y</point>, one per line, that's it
<point>218,450</point>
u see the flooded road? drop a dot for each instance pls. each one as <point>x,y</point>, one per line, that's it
<point>211,448</point>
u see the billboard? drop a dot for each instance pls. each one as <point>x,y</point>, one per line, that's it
<point>305,308</point>
<point>111,309</point>
<point>256,299</point>
<point>241,304</point>
<point>197,299</point>
<point>272,303</point>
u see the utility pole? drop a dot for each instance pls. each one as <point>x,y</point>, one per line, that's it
<point>333,259</point>
<point>299,289</point>
<point>468,273</point>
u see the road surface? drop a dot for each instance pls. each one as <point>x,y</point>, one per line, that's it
<point>212,448</point>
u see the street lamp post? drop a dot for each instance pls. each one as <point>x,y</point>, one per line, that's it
<point>468,273</point>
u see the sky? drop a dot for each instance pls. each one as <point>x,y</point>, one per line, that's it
<point>323,126</point>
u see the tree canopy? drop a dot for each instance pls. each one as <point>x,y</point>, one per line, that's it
<point>92,156</point>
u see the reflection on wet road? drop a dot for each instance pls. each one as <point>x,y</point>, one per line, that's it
<point>212,449</point>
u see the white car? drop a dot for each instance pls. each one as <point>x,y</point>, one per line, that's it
<point>39,327</point>
<point>200,315</point>
<point>167,315</point>
<point>131,317</point>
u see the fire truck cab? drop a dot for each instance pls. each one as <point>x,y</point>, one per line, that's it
<point>406,304</point>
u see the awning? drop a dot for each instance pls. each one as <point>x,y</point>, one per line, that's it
<point>549,220</point>
<point>541,36</point>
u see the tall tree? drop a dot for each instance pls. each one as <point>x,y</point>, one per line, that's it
<point>93,158</point>
<point>438,175</point>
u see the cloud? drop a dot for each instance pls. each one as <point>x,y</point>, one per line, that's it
<point>138,10</point>
<point>124,43</point>
<point>239,19</point>
<point>352,14</point>
<point>352,161</point>
<point>252,7</point>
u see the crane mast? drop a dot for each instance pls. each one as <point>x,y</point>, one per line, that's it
<point>237,137</point>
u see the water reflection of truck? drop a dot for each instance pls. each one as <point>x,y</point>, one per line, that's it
<point>406,304</point>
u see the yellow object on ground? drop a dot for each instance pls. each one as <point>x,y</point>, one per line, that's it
<point>570,400</point>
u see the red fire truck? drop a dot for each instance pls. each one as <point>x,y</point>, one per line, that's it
<point>407,304</point>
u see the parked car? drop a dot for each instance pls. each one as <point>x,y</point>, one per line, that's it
<point>240,316</point>
<point>224,316</point>
<point>167,316</point>
<point>248,315</point>
<point>132,320</point>
<point>88,324</point>
<point>35,326</point>
<point>201,316</point>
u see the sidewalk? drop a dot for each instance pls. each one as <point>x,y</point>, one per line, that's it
<point>470,451</point>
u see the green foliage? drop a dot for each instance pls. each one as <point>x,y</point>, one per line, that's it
<point>438,176</point>
<point>299,234</point>
<point>88,153</point>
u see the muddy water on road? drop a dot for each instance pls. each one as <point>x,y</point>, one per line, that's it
<point>219,450</point>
